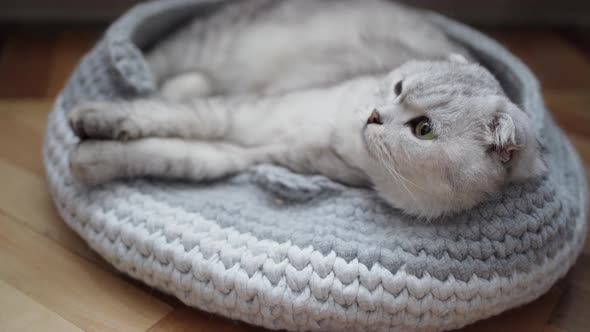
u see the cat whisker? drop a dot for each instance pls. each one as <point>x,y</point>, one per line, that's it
<point>393,172</point>
<point>380,156</point>
<point>401,181</point>
<point>391,167</point>
<point>393,162</point>
<point>396,175</point>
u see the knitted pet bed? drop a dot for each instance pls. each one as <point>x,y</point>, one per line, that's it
<point>295,252</point>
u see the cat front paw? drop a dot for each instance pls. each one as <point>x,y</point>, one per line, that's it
<point>94,162</point>
<point>103,120</point>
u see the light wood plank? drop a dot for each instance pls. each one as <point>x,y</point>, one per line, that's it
<point>19,312</point>
<point>25,195</point>
<point>71,286</point>
<point>32,112</point>
<point>29,200</point>
<point>21,143</point>
<point>16,106</point>
<point>26,198</point>
<point>22,127</point>
<point>186,319</point>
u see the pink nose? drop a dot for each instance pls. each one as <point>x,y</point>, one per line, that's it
<point>374,118</point>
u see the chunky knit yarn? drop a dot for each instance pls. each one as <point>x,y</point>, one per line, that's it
<point>295,252</point>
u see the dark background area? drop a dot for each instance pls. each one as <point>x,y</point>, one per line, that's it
<point>496,12</point>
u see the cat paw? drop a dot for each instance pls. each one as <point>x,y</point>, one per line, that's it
<point>186,86</point>
<point>103,121</point>
<point>93,162</point>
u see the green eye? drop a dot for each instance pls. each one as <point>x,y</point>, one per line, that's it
<point>423,129</point>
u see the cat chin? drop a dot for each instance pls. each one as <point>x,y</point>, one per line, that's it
<point>427,203</point>
<point>428,209</point>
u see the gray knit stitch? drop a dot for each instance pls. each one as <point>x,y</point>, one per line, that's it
<point>297,252</point>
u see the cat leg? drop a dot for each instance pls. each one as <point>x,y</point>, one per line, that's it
<point>186,86</point>
<point>129,120</point>
<point>95,162</point>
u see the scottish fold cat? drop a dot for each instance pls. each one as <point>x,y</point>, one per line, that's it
<point>309,85</point>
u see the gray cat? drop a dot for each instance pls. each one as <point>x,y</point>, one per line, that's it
<point>308,85</point>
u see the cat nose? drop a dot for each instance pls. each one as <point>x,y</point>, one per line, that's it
<point>374,118</point>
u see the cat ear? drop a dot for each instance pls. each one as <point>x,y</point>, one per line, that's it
<point>514,141</point>
<point>504,136</point>
<point>458,58</point>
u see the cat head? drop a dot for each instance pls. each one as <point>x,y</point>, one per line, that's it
<point>443,136</point>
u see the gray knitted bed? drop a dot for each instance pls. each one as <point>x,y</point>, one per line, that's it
<point>295,252</point>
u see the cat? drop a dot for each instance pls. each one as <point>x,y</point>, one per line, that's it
<point>275,46</point>
<point>433,136</point>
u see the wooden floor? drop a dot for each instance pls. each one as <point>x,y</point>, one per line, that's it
<point>51,281</point>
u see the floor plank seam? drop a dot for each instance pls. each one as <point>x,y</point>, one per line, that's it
<point>20,222</point>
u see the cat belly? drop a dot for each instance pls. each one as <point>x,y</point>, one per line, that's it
<point>296,44</point>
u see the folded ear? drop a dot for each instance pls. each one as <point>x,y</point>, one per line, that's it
<point>514,142</point>
<point>458,58</point>
<point>504,136</point>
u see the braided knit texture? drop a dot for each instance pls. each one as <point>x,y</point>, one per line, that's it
<point>288,251</point>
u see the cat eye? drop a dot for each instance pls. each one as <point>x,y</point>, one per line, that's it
<point>422,128</point>
<point>398,88</point>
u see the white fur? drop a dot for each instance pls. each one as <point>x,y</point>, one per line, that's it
<point>321,131</point>
<point>297,44</point>
<point>298,120</point>
<point>186,86</point>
